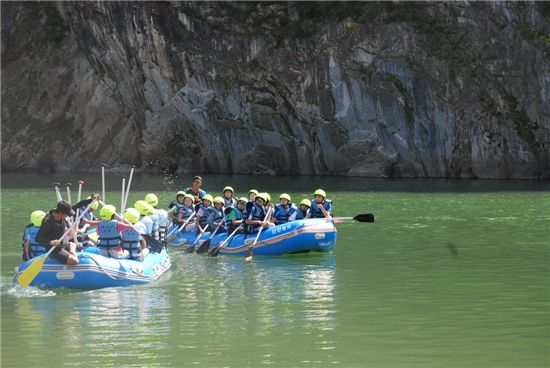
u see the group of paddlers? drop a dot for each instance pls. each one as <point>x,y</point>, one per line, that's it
<point>125,235</point>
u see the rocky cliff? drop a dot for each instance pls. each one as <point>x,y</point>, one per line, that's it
<point>365,89</point>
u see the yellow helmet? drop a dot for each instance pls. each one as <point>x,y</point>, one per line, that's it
<point>219,200</point>
<point>144,208</point>
<point>181,192</point>
<point>262,196</point>
<point>37,217</point>
<point>229,188</point>
<point>190,196</point>
<point>243,199</point>
<point>208,197</point>
<point>253,191</point>
<point>152,199</point>
<point>132,215</point>
<point>267,197</point>
<point>305,202</point>
<point>95,205</point>
<point>285,196</point>
<point>107,212</point>
<point>320,192</point>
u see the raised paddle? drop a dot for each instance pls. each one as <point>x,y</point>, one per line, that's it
<point>57,192</point>
<point>26,277</point>
<point>129,185</point>
<point>215,251</point>
<point>122,194</point>
<point>69,185</point>
<point>103,181</point>
<point>364,217</point>
<point>250,253</point>
<point>80,183</point>
<point>206,244</point>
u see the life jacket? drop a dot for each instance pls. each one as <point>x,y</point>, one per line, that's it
<point>35,248</point>
<point>217,216</point>
<point>316,212</point>
<point>238,216</point>
<point>200,194</point>
<point>282,214</point>
<point>204,218</point>
<point>230,202</point>
<point>179,207</point>
<point>108,234</point>
<point>162,216</point>
<point>130,241</point>
<point>300,215</point>
<point>256,213</point>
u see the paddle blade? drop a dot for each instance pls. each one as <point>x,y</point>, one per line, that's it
<point>249,254</point>
<point>214,252</point>
<point>30,273</point>
<point>204,247</point>
<point>365,217</point>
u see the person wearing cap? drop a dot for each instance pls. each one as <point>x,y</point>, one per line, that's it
<point>52,229</point>
<point>234,215</point>
<point>228,199</point>
<point>195,189</point>
<point>284,210</point>
<point>321,206</point>
<point>301,212</point>
<point>201,217</point>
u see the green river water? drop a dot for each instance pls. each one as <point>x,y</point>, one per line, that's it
<point>451,274</point>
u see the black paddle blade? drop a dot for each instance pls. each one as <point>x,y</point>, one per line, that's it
<point>190,250</point>
<point>204,247</point>
<point>154,245</point>
<point>365,217</point>
<point>214,252</point>
<point>250,253</point>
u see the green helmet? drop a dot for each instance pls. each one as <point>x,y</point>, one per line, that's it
<point>107,212</point>
<point>242,199</point>
<point>190,196</point>
<point>262,196</point>
<point>305,202</point>
<point>228,188</point>
<point>132,215</point>
<point>152,199</point>
<point>252,191</point>
<point>219,200</point>
<point>208,197</point>
<point>144,208</point>
<point>180,193</point>
<point>37,217</point>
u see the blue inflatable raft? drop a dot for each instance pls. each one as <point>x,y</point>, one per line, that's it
<point>96,271</point>
<point>302,236</point>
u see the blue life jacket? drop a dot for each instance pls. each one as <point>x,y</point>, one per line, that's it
<point>256,213</point>
<point>316,212</point>
<point>300,215</point>
<point>179,207</point>
<point>204,218</point>
<point>108,234</point>
<point>35,248</point>
<point>230,202</point>
<point>189,190</point>
<point>215,215</point>
<point>130,241</point>
<point>238,216</point>
<point>282,214</point>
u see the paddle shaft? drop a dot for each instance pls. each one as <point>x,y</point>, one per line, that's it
<point>129,185</point>
<point>198,237</point>
<point>103,182</point>
<point>250,252</point>
<point>229,237</point>
<point>173,235</point>
<point>71,227</point>
<point>122,195</point>
<point>80,182</point>
<point>57,192</point>
<point>68,185</point>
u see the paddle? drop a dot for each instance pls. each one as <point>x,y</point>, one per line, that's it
<point>26,277</point>
<point>250,253</point>
<point>69,185</point>
<point>122,194</point>
<point>214,252</point>
<point>80,182</point>
<point>198,237</point>
<point>173,234</point>
<point>103,181</point>
<point>364,217</point>
<point>206,244</point>
<point>57,192</point>
<point>129,185</point>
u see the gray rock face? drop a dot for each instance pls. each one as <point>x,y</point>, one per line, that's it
<point>359,89</point>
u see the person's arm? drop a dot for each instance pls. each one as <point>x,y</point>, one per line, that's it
<point>27,248</point>
<point>326,213</point>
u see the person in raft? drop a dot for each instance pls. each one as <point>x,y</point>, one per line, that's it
<point>257,213</point>
<point>284,210</point>
<point>195,189</point>
<point>228,199</point>
<point>301,212</point>
<point>52,229</point>
<point>185,212</point>
<point>109,230</point>
<point>131,239</point>
<point>31,248</point>
<point>201,218</point>
<point>215,215</point>
<point>234,215</point>
<point>321,206</point>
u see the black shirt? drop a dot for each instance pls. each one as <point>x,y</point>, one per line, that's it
<point>50,230</point>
